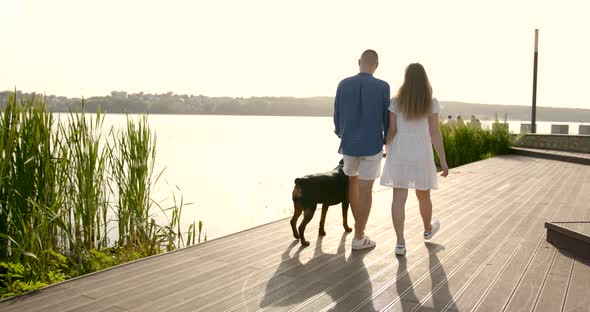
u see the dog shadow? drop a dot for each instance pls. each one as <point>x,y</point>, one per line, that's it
<point>405,286</point>
<point>295,282</point>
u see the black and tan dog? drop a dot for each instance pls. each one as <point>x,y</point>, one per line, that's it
<point>329,188</point>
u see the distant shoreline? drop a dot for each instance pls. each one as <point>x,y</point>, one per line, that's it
<point>236,115</point>
<point>321,106</point>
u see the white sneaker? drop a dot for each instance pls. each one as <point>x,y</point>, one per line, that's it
<point>364,242</point>
<point>435,227</point>
<point>400,250</point>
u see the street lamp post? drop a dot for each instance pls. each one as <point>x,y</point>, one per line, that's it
<point>534,110</point>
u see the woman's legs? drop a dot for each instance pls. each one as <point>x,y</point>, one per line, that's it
<point>425,208</point>
<point>398,214</point>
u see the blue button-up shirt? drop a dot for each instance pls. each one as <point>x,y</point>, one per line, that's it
<point>361,115</point>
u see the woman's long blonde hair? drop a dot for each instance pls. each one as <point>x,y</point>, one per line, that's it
<point>414,97</point>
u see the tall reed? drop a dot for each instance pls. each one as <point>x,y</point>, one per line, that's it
<point>466,144</point>
<point>132,162</point>
<point>87,198</point>
<point>60,183</point>
<point>30,194</point>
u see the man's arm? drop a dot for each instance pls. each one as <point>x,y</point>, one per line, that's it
<point>386,102</point>
<point>337,103</point>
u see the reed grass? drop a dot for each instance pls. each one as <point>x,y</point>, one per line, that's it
<point>466,144</point>
<point>59,183</point>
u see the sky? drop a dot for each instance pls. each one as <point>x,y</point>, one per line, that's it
<point>473,51</point>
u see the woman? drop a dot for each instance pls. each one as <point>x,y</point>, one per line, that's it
<point>414,128</point>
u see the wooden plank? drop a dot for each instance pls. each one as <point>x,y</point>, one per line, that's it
<point>578,298</point>
<point>529,288</point>
<point>221,286</point>
<point>113,309</point>
<point>449,275</point>
<point>505,197</point>
<point>150,291</point>
<point>216,286</point>
<point>586,227</point>
<point>574,242</point>
<point>91,279</point>
<point>569,230</point>
<point>118,275</point>
<point>471,292</point>
<point>531,257</point>
<point>552,296</point>
<point>196,300</point>
<point>526,292</point>
<point>392,246</point>
<point>413,293</point>
<point>238,299</point>
<point>457,280</point>
<point>129,285</point>
<point>286,273</point>
<point>74,299</point>
<point>554,289</point>
<point>163,281</point>
<point>359,272</point>
<point>576,158</point>
<point>460,268</point>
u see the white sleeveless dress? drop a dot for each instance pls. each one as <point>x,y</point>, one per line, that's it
<point>410,160</point>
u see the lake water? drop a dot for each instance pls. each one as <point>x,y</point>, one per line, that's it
<point>239,170</point>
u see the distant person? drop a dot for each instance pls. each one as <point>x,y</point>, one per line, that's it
<point>361,120</point>
<point>460,122</point>
<point>450,121</point>
<point>413,130</point>
<point>474,122</point>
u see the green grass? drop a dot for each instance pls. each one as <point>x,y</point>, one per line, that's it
<point>60,181</point>
<point>467,144</point>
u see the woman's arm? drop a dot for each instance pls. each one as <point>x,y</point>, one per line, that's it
<point>437,142</point>
<point>392,129</point>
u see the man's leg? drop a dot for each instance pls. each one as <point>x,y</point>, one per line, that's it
<point>369,170</point>
<point>353,195</point>
<point>365,192</point>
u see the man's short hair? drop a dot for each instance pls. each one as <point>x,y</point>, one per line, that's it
<point>369,57</point>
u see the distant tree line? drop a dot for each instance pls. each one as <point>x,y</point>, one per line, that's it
<point>170,103</point>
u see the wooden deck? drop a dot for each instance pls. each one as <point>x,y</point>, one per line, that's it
<point>573,157</point>
<point>490,255</point>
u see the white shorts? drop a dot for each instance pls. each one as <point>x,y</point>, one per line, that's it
<point>365,167</point>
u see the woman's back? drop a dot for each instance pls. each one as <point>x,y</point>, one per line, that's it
<point>410,161</point>
<point>416,127</point>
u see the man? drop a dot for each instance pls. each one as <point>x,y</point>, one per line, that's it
<point>361,118</point>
